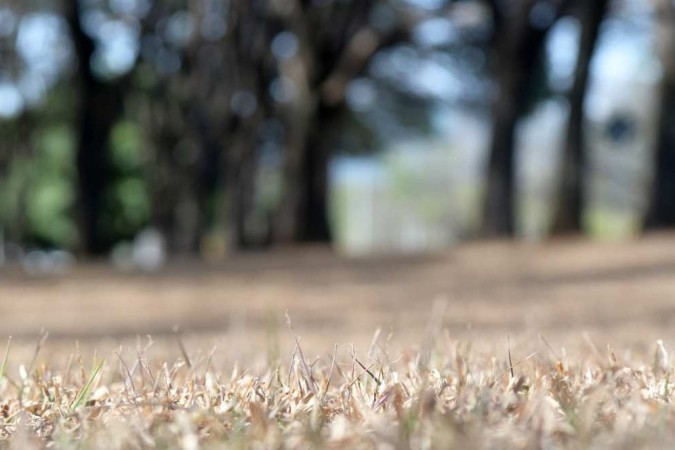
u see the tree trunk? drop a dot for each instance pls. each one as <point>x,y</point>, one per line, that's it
<point>314,223</point>
<point>208,173</point>
<point>207,185</point>
<point>661,212</point>
<point>101,105</point>
<point>498,218</point>
<point>95,123</point>
<point>569,214</point>
<point>661,207</point>
<point>288,217</point>
<point>517,51</point>
<point>239,168</point>
<point>303,216</point>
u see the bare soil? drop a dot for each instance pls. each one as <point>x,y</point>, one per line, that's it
<point>574,293</point>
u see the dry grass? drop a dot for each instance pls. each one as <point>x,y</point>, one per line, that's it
<point>449,377</point>
<point>444,395</point>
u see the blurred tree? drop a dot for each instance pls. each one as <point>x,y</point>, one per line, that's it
<point>570,205</point>
<point>227,93</point>
<point>274,76</point>
<point>15,139</point>
<point>329,44</point>
<point>519,30</point>
<point>207,68</point>
<point>661,204</point>
<point>101,104</point>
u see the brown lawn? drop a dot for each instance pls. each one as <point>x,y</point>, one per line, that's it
<point>574,293</point>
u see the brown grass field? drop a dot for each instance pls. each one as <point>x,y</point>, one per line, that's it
<point>491,345</point>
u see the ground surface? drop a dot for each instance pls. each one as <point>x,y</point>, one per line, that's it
<point>496,345</point>
<point>571,292</point>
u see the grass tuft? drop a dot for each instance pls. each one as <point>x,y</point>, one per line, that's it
<point>83,394</point>
<point>3,368</point>
<point>459,398</point>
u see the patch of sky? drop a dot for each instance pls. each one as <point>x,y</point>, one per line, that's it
<point>93,19</point>
<point>562,48</point>
<point>118,48</point>
<point>625,67</point>
<point>283,90</point>
<point>434,79</point>
<point>435,32</point>
<point>179,28</point>
<point>428,5</point>
<point>213,27</point>
<point>135,8</point>
<point>436,75</point>
<point>11,101</point>
<point>32,87</point>
<point>43,44</point>
<point>362,94</point>
<point>356,170</point>
<point>625,52</point>
<point>285,45</point>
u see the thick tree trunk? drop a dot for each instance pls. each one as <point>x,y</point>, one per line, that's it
<point>162,193</point>
<point>243,197</point>
<point>661,207</point>
<point>303,215</point>
<point>208,173</point>
<point>499,208</point>
<point>518,50</point>
<point>288,217</point>
<point>99,112</point>
<point>314,223</point>
<point>661,212</point>
<point>101,105</point>
<point>207,185</point>
<point>239,168</point>
<point>569,214</point>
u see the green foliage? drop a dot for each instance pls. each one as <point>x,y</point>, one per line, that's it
<point>607,224</point>
<point>48,203</point>
<point>127,204</point>
<point>38,191</point>
<point>128,207</point>
<point>59,105</point>
<point>126,147</point>
<point>12,190</point>
<point>51,192</point>
<point>56,150</point>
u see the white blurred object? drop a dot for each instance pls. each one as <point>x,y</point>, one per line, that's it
<point>121,257</point>
<point>60,261</point>
<point>13,253</point>
<point>148,251</point>
<point>47,262</point>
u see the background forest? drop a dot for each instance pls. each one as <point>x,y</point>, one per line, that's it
<point>209,126</point>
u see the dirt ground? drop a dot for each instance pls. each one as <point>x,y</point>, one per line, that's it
<point>574,293</point>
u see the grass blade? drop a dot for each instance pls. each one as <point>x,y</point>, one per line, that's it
<point>3,368</point>
<point>83,395</point>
